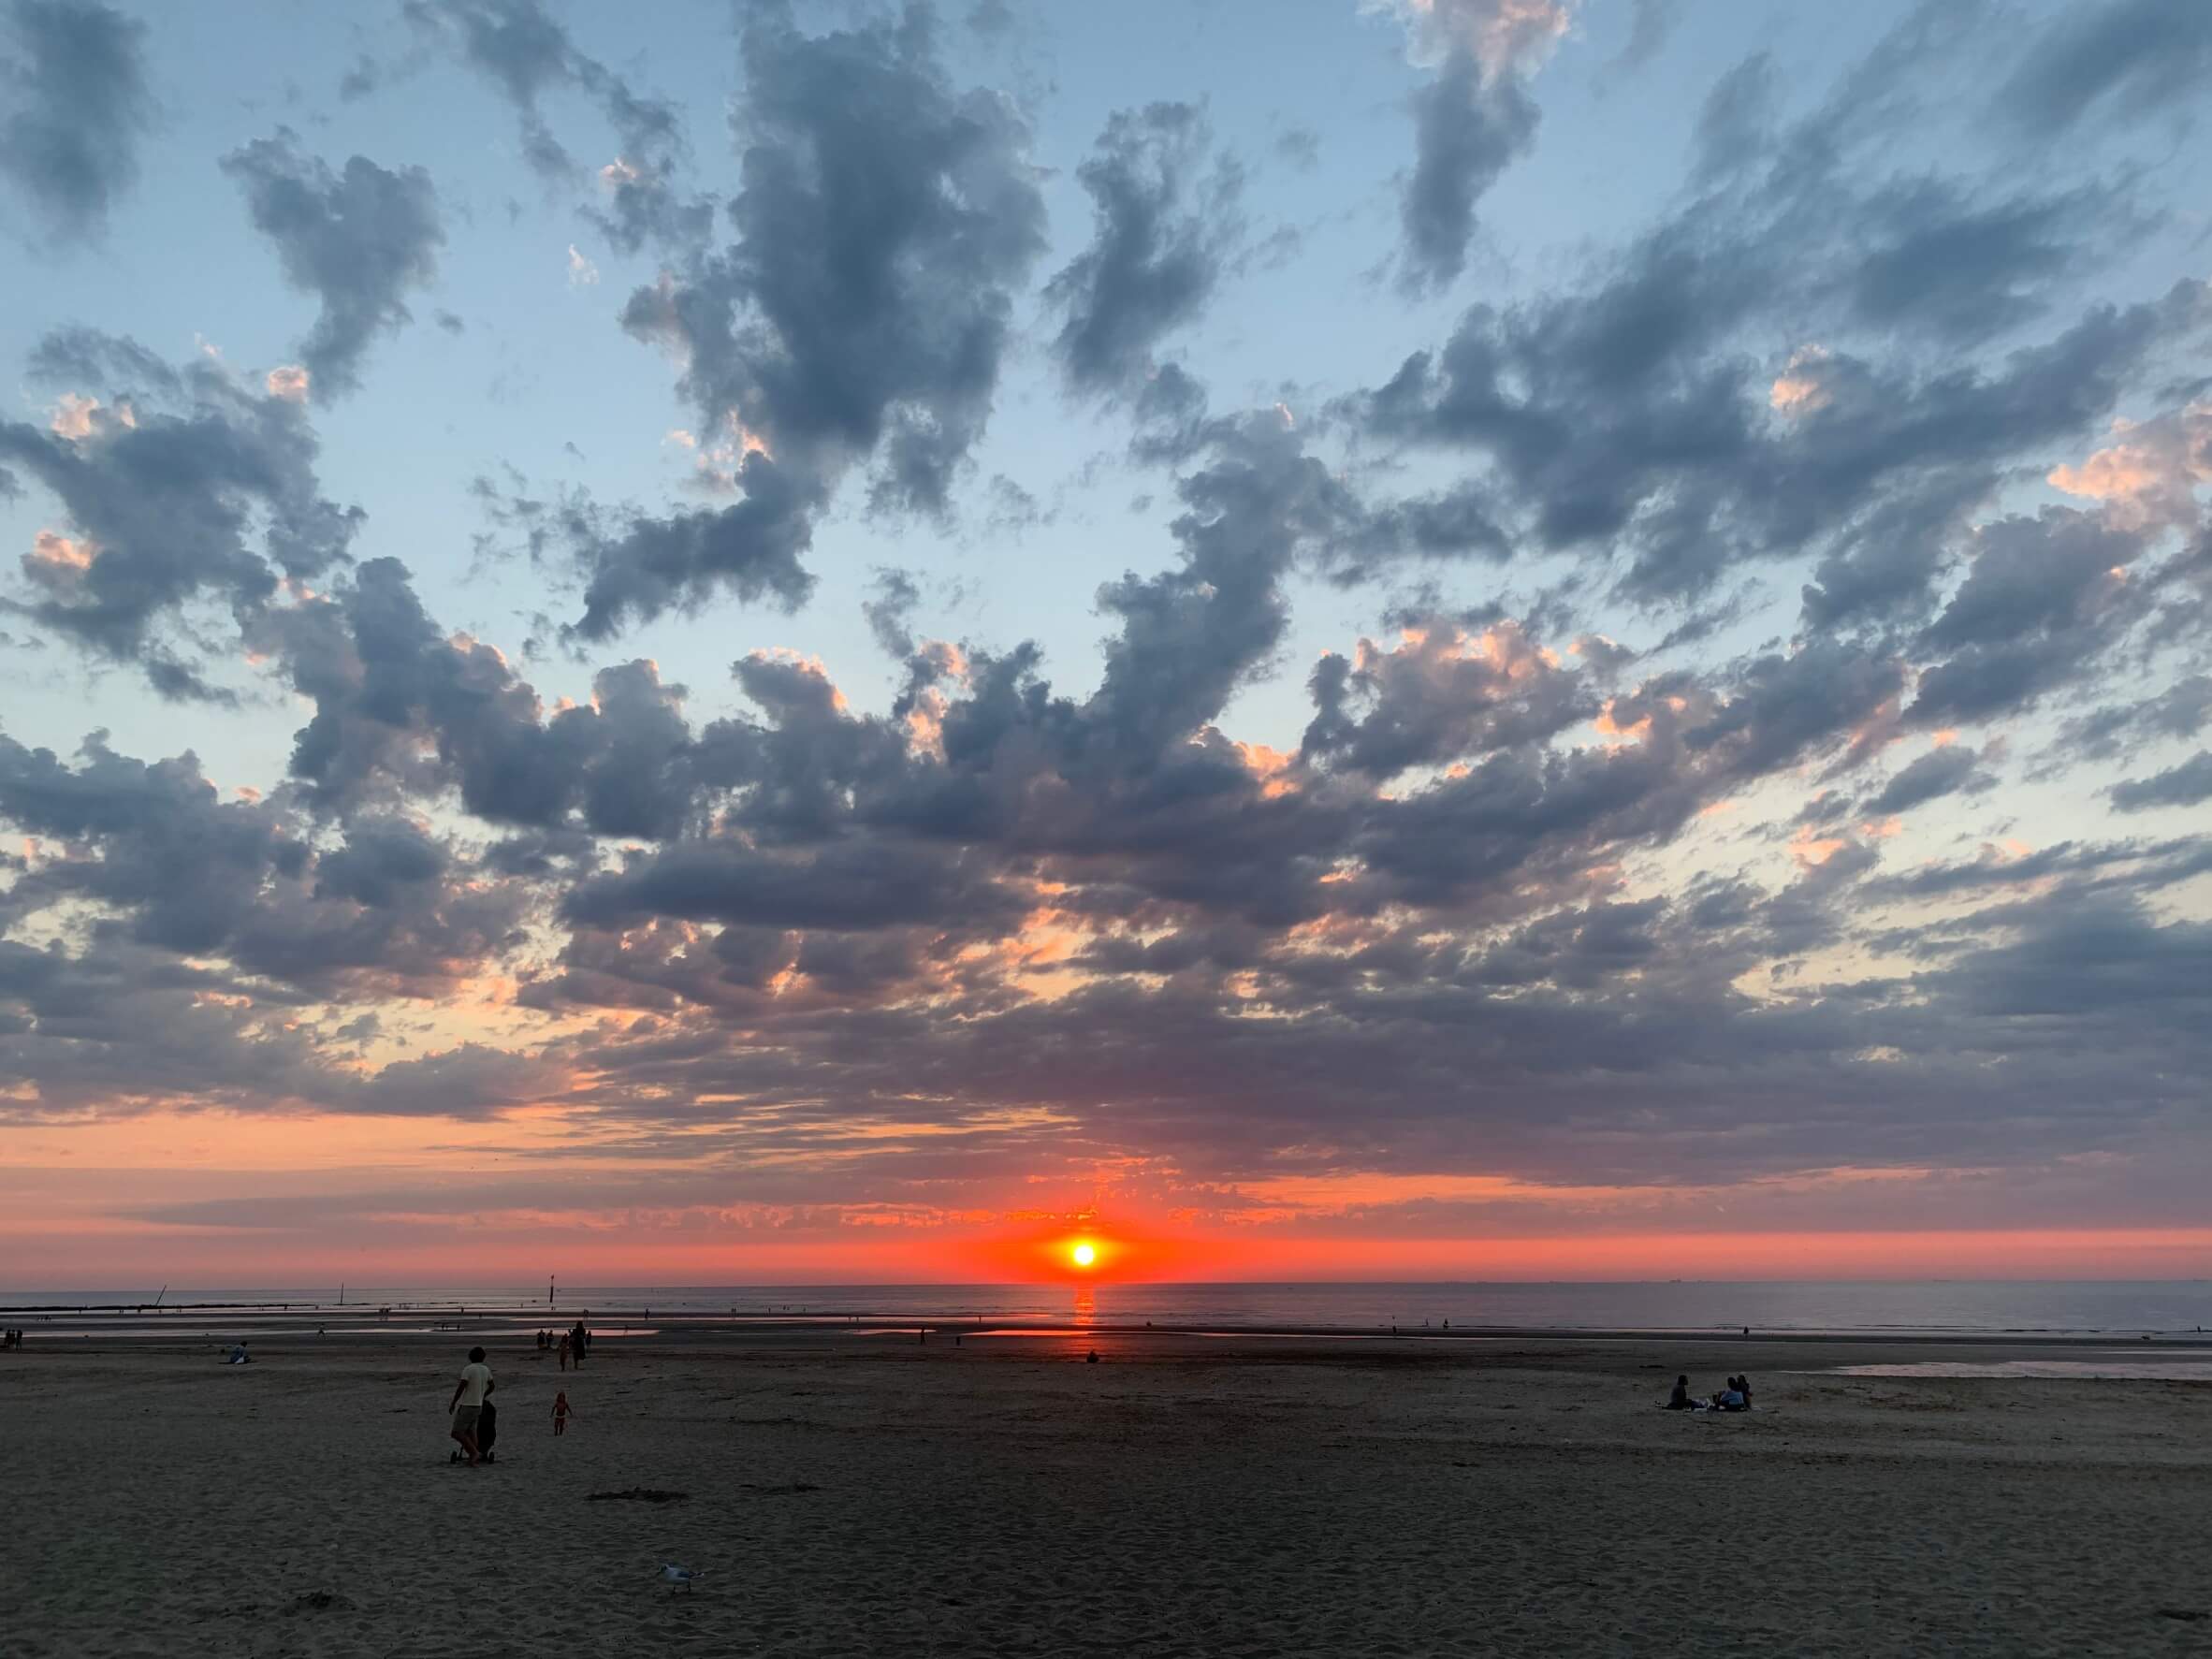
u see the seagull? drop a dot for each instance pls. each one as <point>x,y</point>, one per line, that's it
<point>681,1575</point>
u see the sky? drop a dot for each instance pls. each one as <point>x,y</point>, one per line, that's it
<point>832,642</point>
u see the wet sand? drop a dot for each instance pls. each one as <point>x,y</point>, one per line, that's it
<point>1185,1496</point>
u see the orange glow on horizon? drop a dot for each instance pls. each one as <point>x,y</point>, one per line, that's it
<point>72,1246</point>
<point>216,1197</point>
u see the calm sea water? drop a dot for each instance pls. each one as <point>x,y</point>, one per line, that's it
<point>1981,1306</point>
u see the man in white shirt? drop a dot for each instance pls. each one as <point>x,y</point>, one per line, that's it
<point>467,1404</point>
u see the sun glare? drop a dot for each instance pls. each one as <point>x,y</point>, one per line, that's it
<point>1083,1254</point>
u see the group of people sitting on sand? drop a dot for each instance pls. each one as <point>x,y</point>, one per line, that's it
<point>1735,1396</point>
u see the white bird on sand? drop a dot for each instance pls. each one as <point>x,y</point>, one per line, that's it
<point>681,1575</point>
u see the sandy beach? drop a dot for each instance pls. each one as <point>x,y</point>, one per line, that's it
<point>1185,1496</point>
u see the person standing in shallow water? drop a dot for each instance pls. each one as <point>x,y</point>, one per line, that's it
<point>467,1404</point>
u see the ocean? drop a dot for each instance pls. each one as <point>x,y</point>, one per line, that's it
<point>1980,1308</point>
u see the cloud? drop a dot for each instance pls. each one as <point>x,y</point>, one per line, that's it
<point>1938,260</point>
<point>639,567</point>
<point>183,484</point>
<point>1441,695</point>
<point>1735,122</point>
<point>1471,121</point>
<point>1499,35</point>
<point>1620,415</point>
<point>2184,785</point>
<point>404,710</point>
<point>1159,239</point>
<point>1950,769</point>
<point>1747,378</point>
<point>1522,908</point>
<point>2181,710</point>
<point>582,273</point>
<point>358,241</point>
<point>2123,61</point>
<point>861,315</point>
<point>2037,605</point>
<point>527,56</point>
<point>1651,24</point>
<point>384,910</point>
<point>1467,129</point>
<point>2149,474</point>
<point>74,106</point>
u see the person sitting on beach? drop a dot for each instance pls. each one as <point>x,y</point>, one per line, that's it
<point>467,1404</point>
<point>238,1356</point>
<point>561,1412</point>
<point>1730,1398</point>
<point>1679,1400</point>
<point>1744,1387</point>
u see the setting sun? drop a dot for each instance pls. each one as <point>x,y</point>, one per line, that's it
<point>1084,1255</point>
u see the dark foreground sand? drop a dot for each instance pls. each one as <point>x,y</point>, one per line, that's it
<point>871,1496</point>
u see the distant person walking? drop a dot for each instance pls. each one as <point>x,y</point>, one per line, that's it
<point>567,1345</point>
<point>467,1404</point>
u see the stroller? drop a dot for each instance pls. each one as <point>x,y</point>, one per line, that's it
<point>488,1429</point>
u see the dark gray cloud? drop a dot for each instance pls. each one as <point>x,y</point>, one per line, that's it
<point>1651,24</point>
<point>357,240</point>
<point>1160,238</point>
<point>181,485</point>
<point>1959,269</point>
<point>1620,418</point>
<point>1468,128</point>
<point>1642,414</point>
<point>858,319</point>
<point>2040,601</point>
<point>2124,61</point>
<point>2184,785</point>
<point>529,55</point>
<point>896,595</point>
<point>1950,770</point>
<point>402,708</point>
<point>387,910</point>
<point>74,107</point>
<point>1442,695</point>
<point>638,566</point>
<point>2181,710</point>
<point>1735,122</point>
